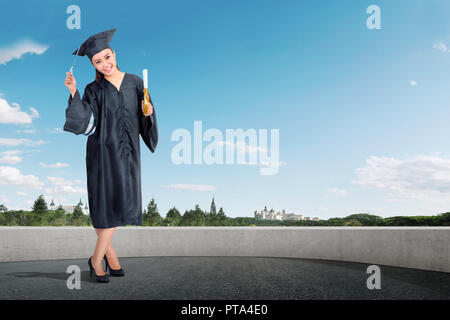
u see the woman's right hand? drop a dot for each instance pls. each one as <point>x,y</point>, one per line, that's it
<point>70,83</point>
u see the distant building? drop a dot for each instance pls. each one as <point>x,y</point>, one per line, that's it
<point>70,209</point>
<point>213,207</point>
<point>272,215</point>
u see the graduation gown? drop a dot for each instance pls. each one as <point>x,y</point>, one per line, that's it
<point>113,121</point>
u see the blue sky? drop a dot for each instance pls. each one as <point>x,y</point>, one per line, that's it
<point>362,114</point>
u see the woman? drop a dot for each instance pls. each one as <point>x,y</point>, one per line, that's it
<point>111,114</point>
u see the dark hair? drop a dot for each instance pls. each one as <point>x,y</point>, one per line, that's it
<point>99,75</point>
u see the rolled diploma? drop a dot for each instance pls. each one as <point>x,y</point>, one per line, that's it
<point>144,76</point>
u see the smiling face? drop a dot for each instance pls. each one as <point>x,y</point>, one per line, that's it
<point>105,62</point>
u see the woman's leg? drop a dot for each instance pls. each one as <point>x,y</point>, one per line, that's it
<point>113,260</point>
<point>103,242</point>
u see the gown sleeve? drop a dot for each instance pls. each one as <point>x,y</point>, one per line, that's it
<point>148,127</point>
<point>80,113</point>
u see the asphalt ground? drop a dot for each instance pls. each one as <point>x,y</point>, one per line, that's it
<point>219,278</point>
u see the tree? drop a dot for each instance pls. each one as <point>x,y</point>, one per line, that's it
<point>333,222</point>
<point>144,217</point>
<point>221,214</point>
<point>199,216</point>
<point>194,217</point>
<point>364,219</point>
<point>40,209</point>
<point>78,212</point>
<point>3,221</point>
<point>60,210</point>
<point>58,217</point>
<point>40,205</point>
<point>354,223</point>
<point>186,218</point>
<point>173,217</point>
<point>10,218</point>
<point>3,208</point>
<point>443,219</point>
<point>154,218</point>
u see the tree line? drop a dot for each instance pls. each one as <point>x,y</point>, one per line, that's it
<point>40,215</point>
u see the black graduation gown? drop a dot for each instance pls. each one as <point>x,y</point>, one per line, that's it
<point>113,120</point>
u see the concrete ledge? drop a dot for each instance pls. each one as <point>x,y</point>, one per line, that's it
<point>425,248</point>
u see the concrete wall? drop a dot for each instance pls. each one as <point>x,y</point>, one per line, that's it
<point>412,247</point>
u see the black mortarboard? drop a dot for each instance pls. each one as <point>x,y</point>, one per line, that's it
<point>95,44</point>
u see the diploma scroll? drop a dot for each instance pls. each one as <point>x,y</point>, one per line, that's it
<point>146,94</point>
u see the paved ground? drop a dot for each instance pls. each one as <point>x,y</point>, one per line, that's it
<point>217,278</point>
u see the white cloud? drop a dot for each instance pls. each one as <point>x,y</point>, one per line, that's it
<point>13,114</point>
<point>192,187</point>
<point>20,193</point>
<point>72,190</point>
<point>412,82</point>
<point>55,165</point>
<point>11,152</point>
<point>30,204</point>
<point>440,46</point>
<point>10,159</point>
<point>17,50</point>
<point>34,113</point>
<point>13,176</point>
<point>26,131</point>
<point>58,181</point>
<point>424,178</point>
<point>16,142</point>
<point>61,186</point>
<point>337,191</point>
<point>10,156</point>
<point>56,130</point>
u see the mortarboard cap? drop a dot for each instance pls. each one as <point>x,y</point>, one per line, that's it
<point>95,44</point>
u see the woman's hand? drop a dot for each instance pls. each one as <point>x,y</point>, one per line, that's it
<point>150,109</point>
<point>70,83</point>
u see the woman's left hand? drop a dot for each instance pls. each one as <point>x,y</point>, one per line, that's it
<point>150,109</point>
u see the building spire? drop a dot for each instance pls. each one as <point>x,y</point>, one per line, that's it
<point>213,207</point>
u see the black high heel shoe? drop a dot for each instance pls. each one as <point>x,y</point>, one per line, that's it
<point>114,273</point>
<point>103,278</point>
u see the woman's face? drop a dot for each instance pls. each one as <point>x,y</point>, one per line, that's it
<point>105,62</point>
